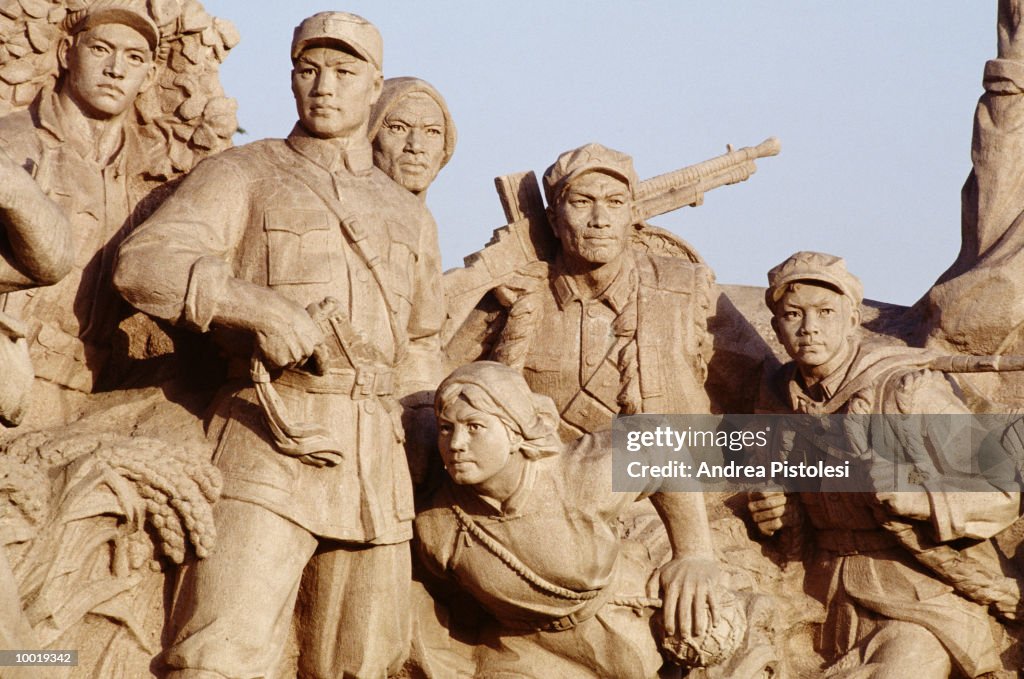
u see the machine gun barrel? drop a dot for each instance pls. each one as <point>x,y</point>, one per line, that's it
<point>687,186</point>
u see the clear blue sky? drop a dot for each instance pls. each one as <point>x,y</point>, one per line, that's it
<point>873,102</point>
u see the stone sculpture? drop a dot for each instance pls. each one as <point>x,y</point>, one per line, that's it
<point>413,137</point>
<point>36,250</point>
<point>325,503</point>
<point>412,132</point>
<point>514,290</point>
<point>988,265</point>
<point>889,614</point>
<point>318,276</point>
<point>601,353</point>
<point>100,142</point>
<point>529,531</point>
<point>76,142</point>
<point>92,516</point>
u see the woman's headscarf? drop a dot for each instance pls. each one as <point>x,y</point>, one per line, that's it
<point>498,390</point>
<point>394,90</point>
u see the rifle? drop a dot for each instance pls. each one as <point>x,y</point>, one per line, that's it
<point>528,236</point>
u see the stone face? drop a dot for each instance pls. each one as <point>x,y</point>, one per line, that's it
<point>102,144</point>
<point>226,481</point>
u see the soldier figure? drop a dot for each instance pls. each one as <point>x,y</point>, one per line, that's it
<point>319,511</point>
<point>79,143</point>
<point>605,328</point>
<point>889,613</point>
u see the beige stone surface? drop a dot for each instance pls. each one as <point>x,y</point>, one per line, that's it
<point>225,483</point>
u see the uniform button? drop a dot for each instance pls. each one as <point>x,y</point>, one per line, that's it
<point>370,407</point>
<point>592,312</point>
<point>363,275</point>
<point>591,360</point>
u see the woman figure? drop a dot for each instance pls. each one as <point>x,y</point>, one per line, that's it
<point>528,530</point>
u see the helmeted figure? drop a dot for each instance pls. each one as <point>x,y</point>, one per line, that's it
<point>254,244</point>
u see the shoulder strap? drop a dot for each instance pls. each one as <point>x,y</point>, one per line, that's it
<point>354,233</point>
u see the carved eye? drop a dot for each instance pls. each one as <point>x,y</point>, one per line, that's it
<point>476,427</point>
<point>827,311</point>
<point>98,49</point>
<point>135,58</point>
<point>434,131</point>
<point>397,128</point>
<point>445,428</point>
<point>616,202</point>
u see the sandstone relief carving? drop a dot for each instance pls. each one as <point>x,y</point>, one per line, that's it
<point>316,254</point>
<point>228,450</point>
<point>109,102</point>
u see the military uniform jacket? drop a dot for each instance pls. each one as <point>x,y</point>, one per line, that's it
<point>71,322</point>
<point>309,220</point>
<point>574,359</point>
<point>866,565</point>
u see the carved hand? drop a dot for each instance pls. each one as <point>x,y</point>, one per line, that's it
<point>771,511</point>
<point>689,594</point>
<point>286,335</point>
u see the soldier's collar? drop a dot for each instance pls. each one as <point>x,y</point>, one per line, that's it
<point>822,391</point>
<point>354,156</point>
<point>68,128</point>
<point>617,295</point>
<point>46,113</point>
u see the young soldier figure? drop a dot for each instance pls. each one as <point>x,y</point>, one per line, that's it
<point>889,615</point>
<point>251,240</point>
<point>79,143</point>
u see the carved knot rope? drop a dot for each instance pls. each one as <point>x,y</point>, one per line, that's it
<point>515,565</point>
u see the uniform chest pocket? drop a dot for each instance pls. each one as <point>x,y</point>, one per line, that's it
<point>297,246</point>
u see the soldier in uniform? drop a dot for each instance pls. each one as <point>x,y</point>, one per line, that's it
<point>317,501</point>
<point>605,328</point>
<point>890,613</point>
<point>80,144</point>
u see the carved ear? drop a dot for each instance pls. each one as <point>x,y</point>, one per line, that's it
<point>854,316</point>
<point>62,52</point>
<point>378,87</point>
<point>775,327</point>
<point>550,212</point>
<point>150,78</point>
